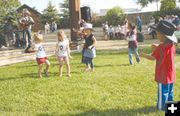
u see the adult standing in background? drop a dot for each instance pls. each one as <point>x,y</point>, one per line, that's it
<point>8,32</point>
<point>26,23</point>
<point>105,30</point>
<point>47,28</point>
<point>139,23</point>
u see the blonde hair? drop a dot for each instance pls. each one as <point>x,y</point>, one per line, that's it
<point>38,37</point>
<point>61,35</point>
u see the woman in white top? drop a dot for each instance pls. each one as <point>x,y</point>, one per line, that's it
<point>63,52</point>
<point>41,55</point>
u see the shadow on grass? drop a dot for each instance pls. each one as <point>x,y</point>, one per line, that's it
<point>27,75</point>
<point>110,112</point>
<point>110,65</point>
<point>35,75</point>
<point>10,78</point>
<point>22,76</point>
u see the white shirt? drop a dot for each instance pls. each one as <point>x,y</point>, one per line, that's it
<point>40,51</point>
<point>63,48</point>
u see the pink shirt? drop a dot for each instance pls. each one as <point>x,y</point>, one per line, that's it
<point>165,69</point>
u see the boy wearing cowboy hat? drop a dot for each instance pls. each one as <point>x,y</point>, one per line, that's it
<point>164,54</point>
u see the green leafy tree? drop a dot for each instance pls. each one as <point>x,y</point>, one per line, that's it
<point>167,5</point>
<point>115,16</point>
<point>144,3</point>
<point>50,14</point>
<point>64,14</point>
<point>8,8</point>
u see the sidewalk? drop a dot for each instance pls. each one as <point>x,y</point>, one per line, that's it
<point>121,44</point>
<point>9,56</point>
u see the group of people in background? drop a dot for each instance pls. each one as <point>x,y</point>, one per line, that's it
<point>118,32</point>
<point>50,28</point>
<point>13,32</point>
<point>20,35</point>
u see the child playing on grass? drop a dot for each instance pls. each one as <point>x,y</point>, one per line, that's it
<point>164,54</point>
<point>41,55</point>
<point>63,52</point>
<point>132,43</point>
<point>89,47</point>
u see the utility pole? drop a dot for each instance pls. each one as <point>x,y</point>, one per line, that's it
<point>74,7</point>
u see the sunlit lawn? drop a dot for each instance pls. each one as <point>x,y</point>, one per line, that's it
<point>114,89</point>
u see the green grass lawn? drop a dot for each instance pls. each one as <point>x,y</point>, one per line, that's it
<point>114,89</point>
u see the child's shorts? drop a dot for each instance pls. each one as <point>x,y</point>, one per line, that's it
<point>41,60</point>
<point>62,58</point>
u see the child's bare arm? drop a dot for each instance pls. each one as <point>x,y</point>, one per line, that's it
<point>147,56</point>
<point>56,50</point>
<point>68,51</point>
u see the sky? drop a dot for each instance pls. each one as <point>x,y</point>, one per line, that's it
<point>95,5</point>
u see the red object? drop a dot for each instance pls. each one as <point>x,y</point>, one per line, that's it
<point>165,72</point>
<point>41,60</point>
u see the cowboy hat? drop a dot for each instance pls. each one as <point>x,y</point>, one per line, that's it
<point>26,11</point>
<point>88,26</point>
<point>166,28</point>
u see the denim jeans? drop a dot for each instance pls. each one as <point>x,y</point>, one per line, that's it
<point>135,52</point>
<point>28,33</point>
<point>165,94</point>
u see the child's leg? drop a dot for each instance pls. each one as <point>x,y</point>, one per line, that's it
<point>162,96</point>
<point>60,68</point>
<point>92,64</point>
<point>39,70</point>
<point>130,55</point>
<point>171,92</point>
<point>68,68</point>
<point>87,64</point>
<point>47,67</point>
<point>136,54</point>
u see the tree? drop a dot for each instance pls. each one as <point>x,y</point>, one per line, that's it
<point>50,14</point>
<point>65,17</point>
<point>8,8</point>
<point>167,5</point>
<point>144,3</point>
<point>115,16</point>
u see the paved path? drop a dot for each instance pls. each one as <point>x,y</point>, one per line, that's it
<point>9,56</point>
<point>121,44</point>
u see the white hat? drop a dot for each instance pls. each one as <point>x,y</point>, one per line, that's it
<point>26,11</point>
<point>88,26</point>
